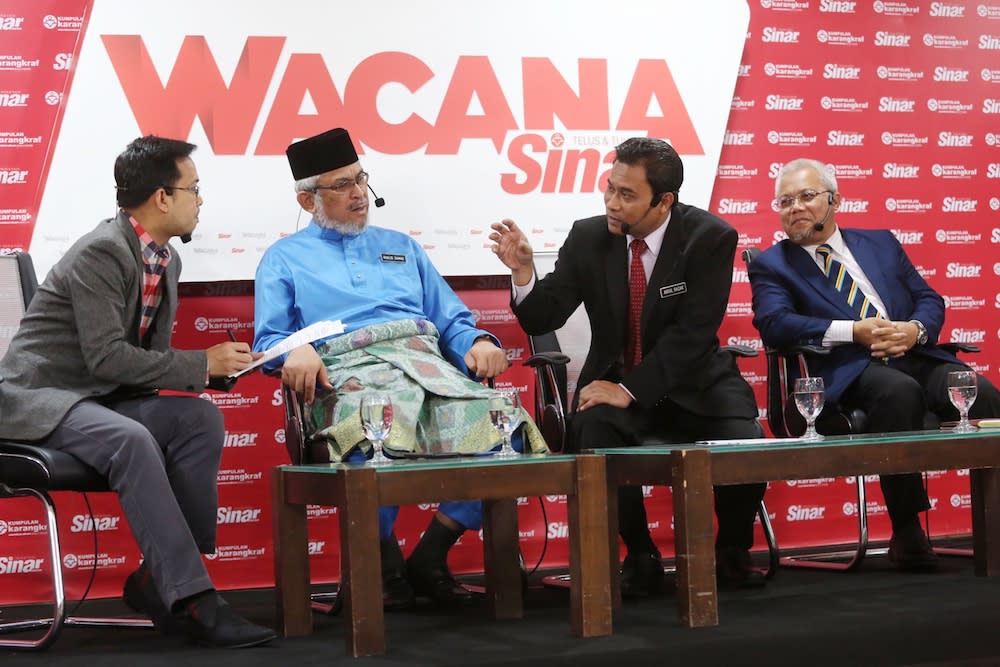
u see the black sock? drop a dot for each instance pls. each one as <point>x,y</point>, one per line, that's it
<point>392,558</point>
<point>432,550</point>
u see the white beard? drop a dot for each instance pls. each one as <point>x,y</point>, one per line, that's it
<point>345,228</point>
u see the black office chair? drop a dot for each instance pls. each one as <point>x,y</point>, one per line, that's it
<point>30,470</point>
<point>786,364</point>
<point>551,412</point>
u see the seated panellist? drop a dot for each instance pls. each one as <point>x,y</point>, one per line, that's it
<point>654,276</point>
<point>856,292</point>
<point>407,335</point>
<point>82,375</point>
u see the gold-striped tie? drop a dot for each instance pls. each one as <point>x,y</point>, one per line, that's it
<point>846,285</point>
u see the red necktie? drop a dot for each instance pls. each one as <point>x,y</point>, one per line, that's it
<point>636,293</point>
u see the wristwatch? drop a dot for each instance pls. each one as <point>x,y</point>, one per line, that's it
<point>921,332</point>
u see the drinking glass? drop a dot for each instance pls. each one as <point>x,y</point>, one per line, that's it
<point>809,401</point>
<point>504,411</point>
<point>962,394</point>
<point>376,421</point>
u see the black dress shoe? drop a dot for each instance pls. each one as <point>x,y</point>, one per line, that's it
<point>734,569</point>
<point>643,575</point>
<point>140,595</point>
<point>397,593</point>
<point>912,552</point>
<point>439,585</point>
<point>209,621</point>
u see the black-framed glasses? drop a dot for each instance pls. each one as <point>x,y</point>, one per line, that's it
<point>343,185</point>
<point>806,196</point>
<point>194,189</point>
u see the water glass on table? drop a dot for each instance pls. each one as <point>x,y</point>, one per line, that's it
<point>808,393</point>
<point>962,390</point>
<point>505,409</point>
<point>376,421</point>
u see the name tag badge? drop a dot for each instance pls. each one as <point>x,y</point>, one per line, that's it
<point>673,290</point>
<point>396,259</point>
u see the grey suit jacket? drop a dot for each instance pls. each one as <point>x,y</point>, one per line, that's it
<point>80,336</point>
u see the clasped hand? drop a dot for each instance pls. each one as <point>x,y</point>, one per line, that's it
<point>885,339</point>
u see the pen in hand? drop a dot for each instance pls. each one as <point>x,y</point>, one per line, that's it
<point>232,335</point>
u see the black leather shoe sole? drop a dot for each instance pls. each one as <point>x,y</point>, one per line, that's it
<point>147,602</point>
<point>441,587</point>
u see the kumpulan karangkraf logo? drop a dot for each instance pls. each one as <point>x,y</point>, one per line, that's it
<point>560,138</point>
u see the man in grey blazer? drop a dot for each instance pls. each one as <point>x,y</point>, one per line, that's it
<point>82,374</point>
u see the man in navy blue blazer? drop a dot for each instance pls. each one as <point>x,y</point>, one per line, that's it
<point>884,358</point>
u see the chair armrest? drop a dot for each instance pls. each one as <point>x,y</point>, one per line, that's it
<point>740,350</point>
<point>546,359</point>
<point>803,349</point>
<point>954,348</point>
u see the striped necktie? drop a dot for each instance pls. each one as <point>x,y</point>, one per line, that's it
<point>845,284</point>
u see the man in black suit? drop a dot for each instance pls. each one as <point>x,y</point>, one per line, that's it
<point>666,377</point>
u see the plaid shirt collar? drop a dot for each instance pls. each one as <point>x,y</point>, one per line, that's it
<point>152,253</point>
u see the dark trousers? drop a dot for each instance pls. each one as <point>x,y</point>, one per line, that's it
<point>899,396</point>
<point>607,426</point>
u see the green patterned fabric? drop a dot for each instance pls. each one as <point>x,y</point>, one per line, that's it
<point>437,411</point>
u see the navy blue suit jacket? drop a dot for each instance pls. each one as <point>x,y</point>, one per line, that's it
<point>794,303</point>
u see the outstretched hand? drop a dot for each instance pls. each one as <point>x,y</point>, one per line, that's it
<point>511,246</point>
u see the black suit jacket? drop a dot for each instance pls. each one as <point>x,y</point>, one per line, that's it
<point>685,302</point>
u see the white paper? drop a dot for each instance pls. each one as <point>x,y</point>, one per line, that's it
<point>749,441</point>
<point>311,333</point>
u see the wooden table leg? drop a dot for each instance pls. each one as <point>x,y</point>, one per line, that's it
<point>985,489</point>
<point>614,563</point>
<point>501,558</point>
<point>589,567</point>
<point>360,562</point>
<point>291,561</point>
<point>697,599</point>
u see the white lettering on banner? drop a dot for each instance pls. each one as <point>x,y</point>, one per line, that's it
<point>558,529</point>
<point>996,302</point>
<point>738,138</point>
<point>839,38</point>
<point>62,61</point>
<point>240,440</point>
<point>740,276</point>
<point>234,400</point>
<point>963,303</point>
<point>774,35</point>
<point>893,170</point>
<point>868,479</point>
<point>790,138</point>
<point>967,336</point>
<point>747,240</point>
<point>238,476</point>
<point>894,8</point>
<point>953,171</point>
<point>908,237</point>
<point>851,171</point>
<point>948,106</point>
<point>896,105</point>
<point>944,42</point>
<point>837,6</point>
<point>785,5</point>
<point>948,11</point>
<point>316,547</point>
<point>954,140</point>
<point>957,237</point>
<point>277,398</point>
<point>903,139</point>
<point>13,63</point>
<point>237,552</point>
<point>961,500</point>
<point>19,527</point>
<point>809,483</point>
<point>11,23</point>
<point>989,42</point>
<point>897,205</point>
<point>990,75</point>
<point>11,565</point>
<point>991,139</point>
<point>84,523</point>
<point>739,309</point>
<point>14,99</point>
<point>320,511</point>
<point>959,205</point>
<point>62,23</point>
<point>890,39</point>
<point>805,513</point>
<point>785,71</point>
<point>833,71</point>
<point>854,206</point>
<point>839,138</point>
<point>13,176</point>
<point>737,207</point>
<point>89,560</point>
<point>988,11</point>
<point>231,515</point>
<point>995,235</point>
<point>895,73</point>
<point>774,169</point>
<point>740,104</point>
<point>752,343</point>
<point>951,74</point>
<point>848,104</point>
<point>991,106</point>
<point>735,172</point>
<point>957,270</point>
<point>18,139</point>
<point>744,71</point>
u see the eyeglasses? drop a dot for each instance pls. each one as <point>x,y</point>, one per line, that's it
<point>343,185</point>
<point>194,189</point>
<point>806,196</point>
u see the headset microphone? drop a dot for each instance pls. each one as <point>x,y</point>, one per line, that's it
<point>626,227</point>
<point>379,202</point>
<point>829,209</point>
<point>185,238</point>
